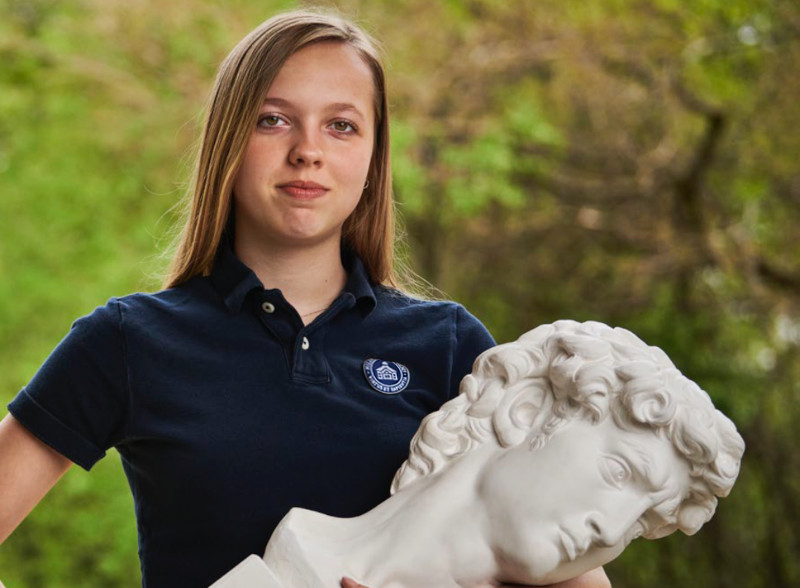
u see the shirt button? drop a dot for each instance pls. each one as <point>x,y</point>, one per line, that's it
<point>268,307</point>
<point>305,344</point>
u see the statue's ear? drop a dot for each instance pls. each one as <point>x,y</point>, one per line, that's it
<point>522,411</point>
<point>662,532</point>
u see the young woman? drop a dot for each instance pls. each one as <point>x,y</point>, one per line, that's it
<point>280,367</point>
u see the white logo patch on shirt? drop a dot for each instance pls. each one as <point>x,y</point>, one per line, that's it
<point>387,377</point>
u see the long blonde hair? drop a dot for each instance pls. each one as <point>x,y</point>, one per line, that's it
<point>238,93</point>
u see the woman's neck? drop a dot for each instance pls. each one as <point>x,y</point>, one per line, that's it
<point>310,277</point>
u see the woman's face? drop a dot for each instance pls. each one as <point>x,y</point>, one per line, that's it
<point>307,160</point>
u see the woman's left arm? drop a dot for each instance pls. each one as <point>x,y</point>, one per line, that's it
<point>595,579</point>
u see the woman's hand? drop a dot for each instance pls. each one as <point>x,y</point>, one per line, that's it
<point>595,579</point>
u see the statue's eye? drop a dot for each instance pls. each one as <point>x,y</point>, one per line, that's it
<point>615,470</point>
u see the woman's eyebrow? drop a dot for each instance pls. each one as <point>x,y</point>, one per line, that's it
<point>275,101</point>
<point>333,107</point>
<point>344,107</point>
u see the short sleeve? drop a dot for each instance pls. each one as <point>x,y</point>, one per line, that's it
<point>472,339</point>
<point>77,402</point>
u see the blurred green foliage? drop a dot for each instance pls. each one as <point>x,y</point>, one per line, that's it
<point>634,162</point>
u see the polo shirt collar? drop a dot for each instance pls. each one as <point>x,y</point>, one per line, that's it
<point>358,283</point>
<point>234,280</point>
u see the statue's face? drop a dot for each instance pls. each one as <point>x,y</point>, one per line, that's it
<point>576,503</point>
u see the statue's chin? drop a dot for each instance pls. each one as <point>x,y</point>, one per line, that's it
<point>568,569</point>
<point>559,574</point>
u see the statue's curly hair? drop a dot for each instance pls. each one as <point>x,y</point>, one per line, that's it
<point>526,390</point>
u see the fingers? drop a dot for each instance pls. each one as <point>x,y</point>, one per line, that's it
<point>350,583</point>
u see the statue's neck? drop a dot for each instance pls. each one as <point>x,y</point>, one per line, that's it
<point>406,540</point>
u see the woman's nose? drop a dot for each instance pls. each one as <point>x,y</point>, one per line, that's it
<point>306,151</point>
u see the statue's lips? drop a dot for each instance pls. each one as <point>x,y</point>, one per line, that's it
<point>571,546</point>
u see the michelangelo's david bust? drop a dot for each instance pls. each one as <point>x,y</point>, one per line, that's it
<point>561,448</point>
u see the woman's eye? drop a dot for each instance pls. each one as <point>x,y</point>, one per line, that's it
<point>270,120</point>
<point>616,471</point>
<point>342,126</point>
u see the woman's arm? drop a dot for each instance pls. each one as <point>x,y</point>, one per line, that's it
<point>595,579</point>
<point>28,469</point>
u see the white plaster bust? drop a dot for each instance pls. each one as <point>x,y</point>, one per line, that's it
<point>560,449</point>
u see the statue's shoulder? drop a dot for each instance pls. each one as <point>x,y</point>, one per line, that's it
<point>252,572</point>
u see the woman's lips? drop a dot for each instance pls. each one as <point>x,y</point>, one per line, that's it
<point>303,190</point>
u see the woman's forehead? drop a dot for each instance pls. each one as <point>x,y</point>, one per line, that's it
<point>330,72</point>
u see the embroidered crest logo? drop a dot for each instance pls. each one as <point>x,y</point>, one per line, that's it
<point>387,377</point>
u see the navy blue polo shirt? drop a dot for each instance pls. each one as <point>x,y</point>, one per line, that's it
<point>227,411</point>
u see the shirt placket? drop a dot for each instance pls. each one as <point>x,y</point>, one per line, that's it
<point>303,344</point>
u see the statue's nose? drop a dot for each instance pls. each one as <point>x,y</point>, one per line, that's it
<point>608,531</point>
